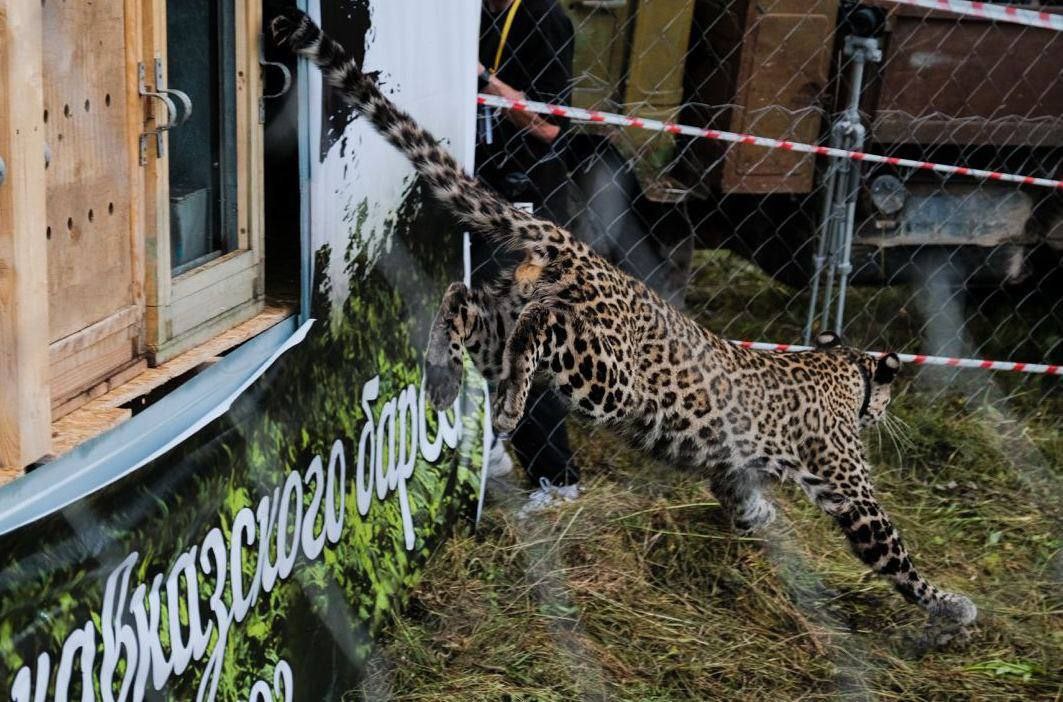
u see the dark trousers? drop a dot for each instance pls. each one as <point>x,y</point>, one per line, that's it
<point>541,440</point>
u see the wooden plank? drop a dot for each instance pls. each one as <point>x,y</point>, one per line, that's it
<point>179,365</point>
<point>244,124</point>
<point>120,378</point>
<point>123,319</point>
<point>24,407</point>
<point>156,205</point>
<point>88,181</point>
<point>79,427</point>
<point>207,330</point>
<point>95,416</point>
<point>7,474</point>
<point>212,273</point>
<point>257,149</point>
<point>214,301</point>
<point>84,369</point>
<point>134,123</point>
<point>80,400</point>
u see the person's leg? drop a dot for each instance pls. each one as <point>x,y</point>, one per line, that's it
<point>541,440</point>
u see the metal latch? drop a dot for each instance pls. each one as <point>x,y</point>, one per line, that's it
<point>173,118</point>
<point>284,72</point>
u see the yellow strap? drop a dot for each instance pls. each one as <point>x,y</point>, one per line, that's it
<point>505,34</point>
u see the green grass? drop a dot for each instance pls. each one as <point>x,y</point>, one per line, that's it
<point>639,591</point>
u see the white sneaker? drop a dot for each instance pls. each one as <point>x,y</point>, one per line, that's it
<point>548,494</point>
<point>498,461</point>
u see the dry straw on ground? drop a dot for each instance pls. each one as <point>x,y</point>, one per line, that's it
<point>639,591</point>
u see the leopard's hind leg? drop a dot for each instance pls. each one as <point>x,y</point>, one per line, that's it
<point>469,319</point>
<point>841,488</point>
<point>739,492</point>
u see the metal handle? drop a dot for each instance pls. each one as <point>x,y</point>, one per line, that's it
<point>171,109</point>
<point>3,171</point>
<point>171,117</point>
<point>181,96</point>
<point>284,72</point>
<point>602,4</point>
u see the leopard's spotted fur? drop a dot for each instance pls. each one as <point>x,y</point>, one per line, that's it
<point>624,357</point>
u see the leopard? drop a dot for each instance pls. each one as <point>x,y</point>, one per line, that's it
<point>623,357</point>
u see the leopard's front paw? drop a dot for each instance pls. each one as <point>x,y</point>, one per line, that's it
<point>442,382</point>
<point>505,410</point>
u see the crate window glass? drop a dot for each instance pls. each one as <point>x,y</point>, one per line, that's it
<point>202,158</point>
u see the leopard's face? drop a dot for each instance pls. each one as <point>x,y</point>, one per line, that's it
<point>878,376</point>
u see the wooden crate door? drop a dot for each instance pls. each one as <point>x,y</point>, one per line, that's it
<point>91,111</point>
<point>204,193</point>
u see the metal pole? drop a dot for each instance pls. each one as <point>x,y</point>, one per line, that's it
<point>841,187</point>
<point>862,49</point>
<point>820,257</point>
<point>846,266</point>
<point>837,218</point>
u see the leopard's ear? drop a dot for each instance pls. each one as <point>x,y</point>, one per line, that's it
<point>886,369</point>
<point>828,340</point>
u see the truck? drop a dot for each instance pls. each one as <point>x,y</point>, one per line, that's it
<point>937,87</point>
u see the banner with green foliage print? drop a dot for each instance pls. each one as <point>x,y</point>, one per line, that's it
<point>257,559</point>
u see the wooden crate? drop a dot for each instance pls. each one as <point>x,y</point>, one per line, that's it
<point>87,293</point>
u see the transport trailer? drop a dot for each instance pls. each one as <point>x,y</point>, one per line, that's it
<point>941,87</point>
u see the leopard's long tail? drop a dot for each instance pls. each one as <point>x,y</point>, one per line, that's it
<point>469,200</point>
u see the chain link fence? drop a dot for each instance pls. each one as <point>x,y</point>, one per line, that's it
<point>772,244</point>
<point>639,589</point>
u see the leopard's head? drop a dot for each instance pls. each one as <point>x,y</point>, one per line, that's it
<point>878,378</point>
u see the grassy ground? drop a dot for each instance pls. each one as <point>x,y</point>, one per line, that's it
<point>638,590</point>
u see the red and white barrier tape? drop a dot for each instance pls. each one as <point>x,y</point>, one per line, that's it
<point>921,360</point>
<point>672,128</point>
<point>991,11</point>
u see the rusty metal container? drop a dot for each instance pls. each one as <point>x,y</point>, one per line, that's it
<point>759,68</point>
<point>949,80</point>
